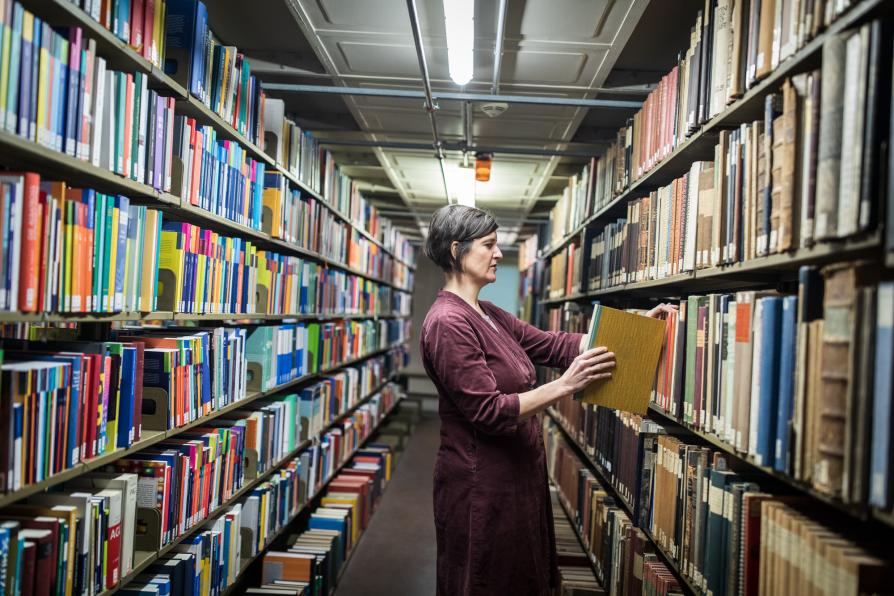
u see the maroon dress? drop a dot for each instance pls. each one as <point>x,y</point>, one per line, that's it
<point>493,518</point>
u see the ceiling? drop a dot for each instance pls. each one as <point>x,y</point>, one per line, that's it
<point>558,48</point>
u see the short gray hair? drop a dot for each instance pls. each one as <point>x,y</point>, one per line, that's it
<point>456,223</point>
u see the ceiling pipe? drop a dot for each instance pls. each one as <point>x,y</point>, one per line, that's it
<point>456,147</point>
<point>447,95</point>
<point>430,106</point>
<point>498,48</point>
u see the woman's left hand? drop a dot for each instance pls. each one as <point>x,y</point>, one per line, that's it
<point>661,311</point>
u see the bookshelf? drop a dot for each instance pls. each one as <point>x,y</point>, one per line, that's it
<point>594,466</point>
<point>153,437</point>
<point>842,505</point>
<point>389,272</point>
<point>143,559</point>
<point>749,107</point>
<point>761,271</point>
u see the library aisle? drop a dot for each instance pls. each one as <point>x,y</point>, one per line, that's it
<point>397,554</point>
<point>604,287</point>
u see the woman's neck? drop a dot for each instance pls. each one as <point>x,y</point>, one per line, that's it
<point>465,289</point>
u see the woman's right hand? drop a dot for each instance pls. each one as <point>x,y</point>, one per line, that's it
<point>592,365</point>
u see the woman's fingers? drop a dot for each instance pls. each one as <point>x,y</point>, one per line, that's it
<point>599,376</point>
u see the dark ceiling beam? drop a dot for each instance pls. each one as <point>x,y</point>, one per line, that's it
<point>460,146</point>
<point>445,95</point>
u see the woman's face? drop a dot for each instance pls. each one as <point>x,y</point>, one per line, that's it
<point>480,261</point>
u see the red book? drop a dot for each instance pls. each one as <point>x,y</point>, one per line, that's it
<point>44,536</point>
<point>29,563</point>
<point>29,263</point>
<point>45,248</point>
<point>137,10</point>
<point>751,540</point>
<point>149,51</point>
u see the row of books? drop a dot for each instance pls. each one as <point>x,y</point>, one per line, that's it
<point>768,190</point>
<point>807,171</point>
<point>789,380</point>
<point>88,532</point>
<point>314,557</point>
<point>282,353</point>
<point>56,91</point>
<point>133,257</point>
<point>624,559</point>
<point>733,46</point>
<point>138,23</point>
<point>795,383</point>
<point>74,250</point>
<point>295,149</point>
<point>217,175</point>
<point>66,402</point>
<point>717,525</point>
<point>216,74</point>
<point>575,573</point>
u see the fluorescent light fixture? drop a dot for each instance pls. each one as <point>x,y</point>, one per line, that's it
<point>459,19</point>
<point>461,185</point>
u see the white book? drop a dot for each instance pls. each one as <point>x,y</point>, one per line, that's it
<point>97,111</point>
<point>274,115</point>
<point>143,124</point>
<point>127,486</point>
<point>720,59</point>
<point>857,49</point>
<point>755,378</point>
<point>115,502</point>
<point>168,144</point>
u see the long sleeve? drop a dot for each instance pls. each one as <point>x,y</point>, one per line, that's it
<point>457,362</point>
<point>545,348</point>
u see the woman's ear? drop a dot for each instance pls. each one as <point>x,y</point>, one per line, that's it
<point>454,249</point>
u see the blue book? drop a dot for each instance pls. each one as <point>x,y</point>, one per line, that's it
<point>770,322</point>
<point>4,558</point>
<point>28,31</point>
<point>14,21</point>
<point>881,479</point>
<point>787,367</point>
<point>190,574</point>
<point>162,581</point>
<point>126,403</point>
<point>716,535</point>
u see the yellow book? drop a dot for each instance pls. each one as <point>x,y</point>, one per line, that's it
<point>170,271</point>
<point>4,62</point>
<point>113,258</point>
<point>201,296</point>
<point>346,499</point>
<point>636,342</point>
<point>271,201</point>
<point>43,93</point>
<point>148,264</point>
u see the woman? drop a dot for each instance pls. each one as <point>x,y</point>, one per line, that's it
<point>493,516</point>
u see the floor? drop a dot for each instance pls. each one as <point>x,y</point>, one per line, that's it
<point>396,554</point>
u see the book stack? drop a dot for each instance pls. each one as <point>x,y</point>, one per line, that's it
<point>75,250</point>
<point>315,556</point>
<point>217,75</point>
<point>72,401</point>
<point>527,252</point>
<point>624,561</point>
<point>217,175</point>
<point>296,150</point>
<point>344,194</point>
<point>565,271</point>
<point>395,242</point>
<point>812,412</point>
<point>716,525</point>
<point>290,214</point>
<point>82,539</point>
<point>55,91</point>
<point>139,24</point>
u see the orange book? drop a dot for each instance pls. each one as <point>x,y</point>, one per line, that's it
<point>287,566</point>
<point>29,262</point>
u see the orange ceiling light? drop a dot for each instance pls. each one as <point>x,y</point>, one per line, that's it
<point>483,164</point>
